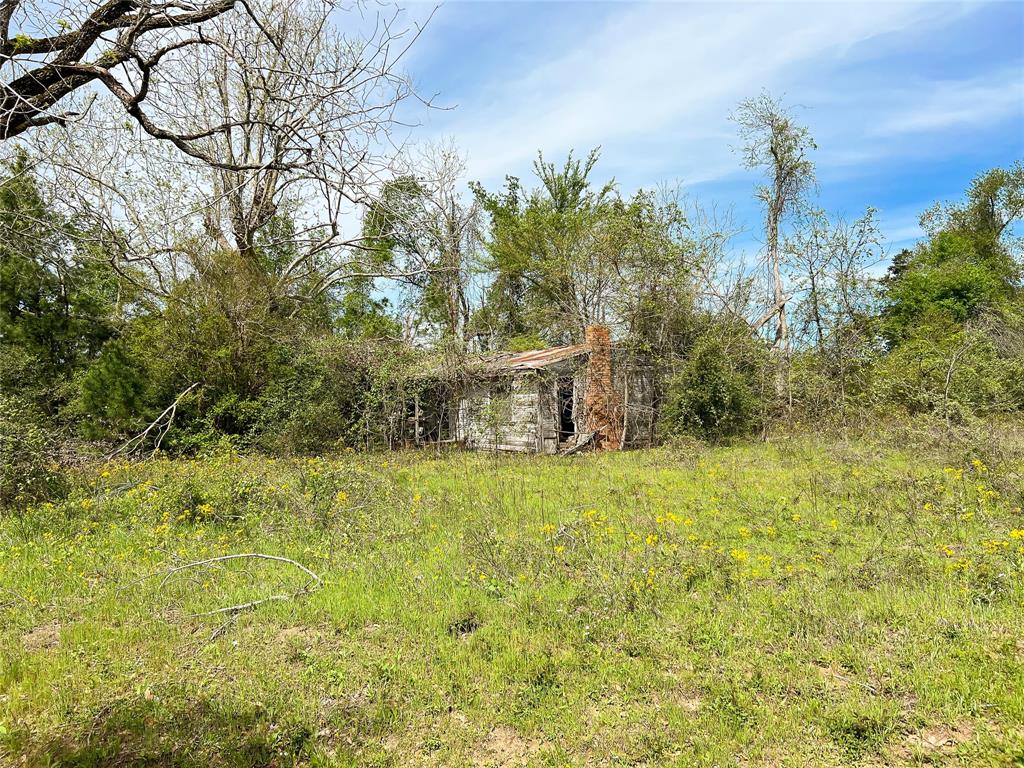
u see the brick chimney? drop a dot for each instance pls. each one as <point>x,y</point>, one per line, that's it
<point>601,401</point>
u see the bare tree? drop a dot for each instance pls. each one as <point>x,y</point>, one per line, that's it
<point>833,298</point>
<point>774,142</point>
<point>831,259</point>
<point>427,232</point>
<point>281,130</point>
<point>723,281</point>
<point>51,51</point>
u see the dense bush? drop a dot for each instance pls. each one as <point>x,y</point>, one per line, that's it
<point>953,376</point>
<point>28,471</point>
<point>336,392</point>
<point>717,392</point>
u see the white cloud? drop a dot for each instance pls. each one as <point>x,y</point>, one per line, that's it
<point>943,104</point>
<point>902,226</point>
<point>662,80</point>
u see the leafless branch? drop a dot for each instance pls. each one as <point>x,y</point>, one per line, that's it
<point>314,582</point>
<point>161,425</point>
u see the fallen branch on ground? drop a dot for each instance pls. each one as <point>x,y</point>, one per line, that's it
<point>314,583</point>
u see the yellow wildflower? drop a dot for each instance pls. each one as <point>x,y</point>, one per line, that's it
<point>958,565</point>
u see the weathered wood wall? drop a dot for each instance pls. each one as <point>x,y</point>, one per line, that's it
<point>547,413</point>
<point>501,414</point>
<point>636,388</point>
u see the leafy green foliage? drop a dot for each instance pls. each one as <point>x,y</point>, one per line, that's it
<point>948,280</point>
<point>225,328</point>
<point>716,393</point>
<point>28,471</point>
<point>538,239</point>
<point>335,393</point>
<point>112,392</point>
<point>955,376</point>
<point>57,297</point>
<point>953,311</point>
<point>970,266</point>
<point>568,254</point>
<point>362,316</point>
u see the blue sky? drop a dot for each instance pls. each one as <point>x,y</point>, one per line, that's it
<point>907,102</point>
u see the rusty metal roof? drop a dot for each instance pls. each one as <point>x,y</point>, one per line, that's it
<point>532,360</point>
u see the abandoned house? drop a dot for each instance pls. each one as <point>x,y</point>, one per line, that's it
<point>557,400</point>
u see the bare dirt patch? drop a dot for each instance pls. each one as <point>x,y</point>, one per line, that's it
<point>290,633</point>
<point>941,737</point>
<point>505,747</point>
<point>685,700</point>
<point>42,637</point>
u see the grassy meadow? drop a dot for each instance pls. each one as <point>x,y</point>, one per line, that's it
<point>799,603</point>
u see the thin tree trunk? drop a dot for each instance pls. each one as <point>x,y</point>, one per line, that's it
<point>816,312</point>
<point>781,326</point>
<point>781,343</point>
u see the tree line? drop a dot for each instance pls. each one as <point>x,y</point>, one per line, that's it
<point>217,200</point>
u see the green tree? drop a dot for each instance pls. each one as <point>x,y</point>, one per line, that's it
<point>549,251</point>
<point>568,254</point>
<point>953,307</point>
<point>969,267</point>
<point>59,299</point>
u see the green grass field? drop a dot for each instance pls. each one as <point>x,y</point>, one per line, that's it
<point>796,603</point>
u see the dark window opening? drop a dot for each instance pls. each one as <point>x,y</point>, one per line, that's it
<point>566,426</point>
